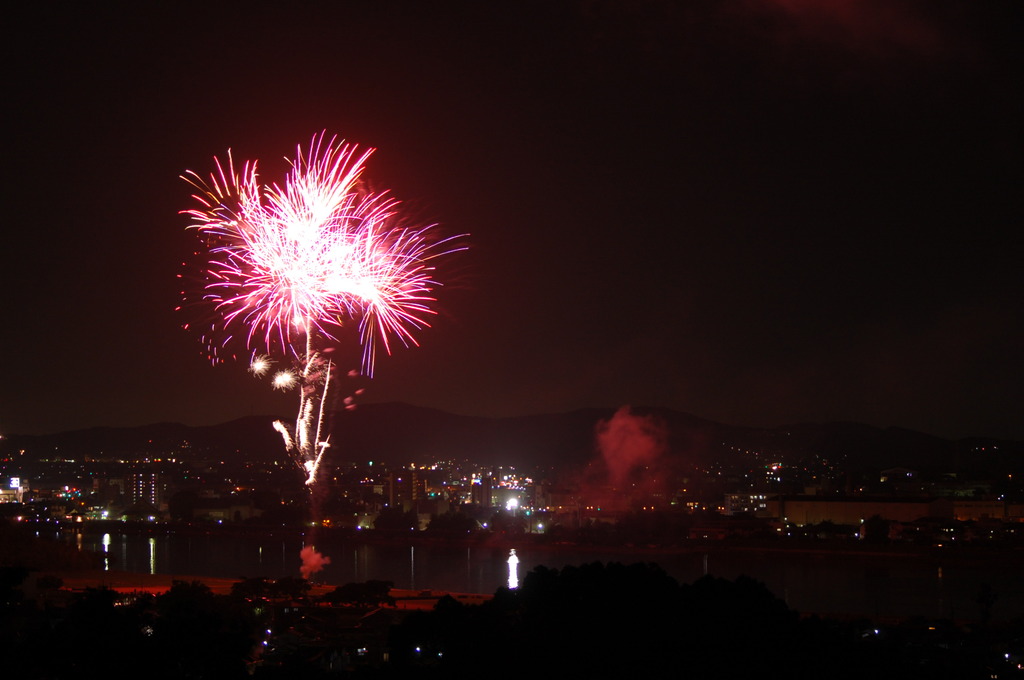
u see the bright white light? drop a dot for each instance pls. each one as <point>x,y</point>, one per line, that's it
<point>513,570</point>
<point>512,504</point>
<point>260,365</point>
<point>283,380</point>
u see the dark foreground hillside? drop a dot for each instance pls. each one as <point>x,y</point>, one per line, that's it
<point>613,620</point>
<point>595,620</point>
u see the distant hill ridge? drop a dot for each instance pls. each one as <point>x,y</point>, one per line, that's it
<point>398,433</point>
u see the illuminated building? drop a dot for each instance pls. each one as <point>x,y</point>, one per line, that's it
<point>146,487</point>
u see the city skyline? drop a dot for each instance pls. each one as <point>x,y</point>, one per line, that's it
<point>759,213</point>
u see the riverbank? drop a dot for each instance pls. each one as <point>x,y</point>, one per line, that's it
<point>967,550</point>
<point>128,582</point>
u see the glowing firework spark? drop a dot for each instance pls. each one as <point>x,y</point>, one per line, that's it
<point>260,365</point>
<point>284,380</point>
<point>292,263</point>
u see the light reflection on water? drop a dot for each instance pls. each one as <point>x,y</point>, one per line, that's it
<point>860,585</point>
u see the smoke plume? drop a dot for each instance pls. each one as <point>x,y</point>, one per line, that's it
<point>312,562</point>
<point>628,443</point>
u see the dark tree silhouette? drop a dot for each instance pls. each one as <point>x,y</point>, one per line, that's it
<point>395,519</point>
<point>594,619</point>
<point>614,620</point>
<point>453,523</point>
<point>875,530</point>
<point>202,635</point>
<point>368,594</point>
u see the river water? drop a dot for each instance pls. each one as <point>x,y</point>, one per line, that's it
<point>850,584</point>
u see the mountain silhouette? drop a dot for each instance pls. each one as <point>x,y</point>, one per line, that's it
<point>399,434</point>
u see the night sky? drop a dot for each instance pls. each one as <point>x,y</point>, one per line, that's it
<point>760,212</point>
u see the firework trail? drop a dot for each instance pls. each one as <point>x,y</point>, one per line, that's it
<point>288,265</point>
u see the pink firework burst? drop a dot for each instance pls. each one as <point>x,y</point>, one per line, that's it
<point>289,264</point>
<point>309,255</point>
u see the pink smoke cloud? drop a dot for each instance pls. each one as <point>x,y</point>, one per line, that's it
<point>312,561</point>
<point>628,442</point>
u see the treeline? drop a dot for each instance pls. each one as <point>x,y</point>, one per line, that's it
<point>186,632</point>
<point>597,620</point>
<point>612,620</point>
